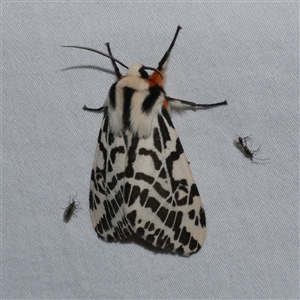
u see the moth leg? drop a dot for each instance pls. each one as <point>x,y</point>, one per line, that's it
<point>100,109</point>
<point>181,103</point>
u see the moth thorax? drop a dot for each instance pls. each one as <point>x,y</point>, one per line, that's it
<point>134,70</point>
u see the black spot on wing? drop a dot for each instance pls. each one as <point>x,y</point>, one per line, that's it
<point>180,250</point>
<point>109,166</point>
<point>144,196</point>
<point>112,184</point>
<point>184,236</point>
<point>99,229</point>
<point>177,224</point>
<point>194,190</point>
<point>192,214</point>
<point>183,201</point>
<point>134,195</point>
<point>160,190</point>
<point>97,199</point>
<point>153,204</point>
<point>161,239</point>
<point>150,238</point>
<point>119,198</point>
<point>149,226</point>
<point>162,213</point>
<point>140,231</point>
<point>170,220</point>
<point>202,217</point>
<point>169,246</point>
<point>163,174</point>
<point>193,244</point>
<point>132,217</point>
<point>110,238</point>
<point>110,212</point>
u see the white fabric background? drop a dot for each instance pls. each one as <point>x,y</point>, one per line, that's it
<point>245,52</point>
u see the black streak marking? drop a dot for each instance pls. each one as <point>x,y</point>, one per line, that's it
<point>156,139</point>
<point>134,195</point>
<point>202,218</point>
<point>162,214</point>
<point>184,236</point>
<point>150,100</point>
<point>131,217</point>
<point>170,220</point>
<point>111,138</point>
<point>91,201</point>
<point>111,185</point>
<point>167,117</point>
<point>131,157</point>
<point>144,196</point>
<point>112,95</point>
<point>160,190</point>
<point>182,201</point>
<point>114,152</point>
<point>157,163</point>
<point>128,92</point>
<point>144,177</point>
<point>127,190</point>
<point>153,204</point>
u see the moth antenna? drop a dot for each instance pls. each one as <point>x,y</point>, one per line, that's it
<point>152,69</point>
<point>167,54</point>
<point>117,71</point>
<point>99,52</point>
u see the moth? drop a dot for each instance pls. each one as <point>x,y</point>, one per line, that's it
<point>141,181</point>
<point>71,209</point>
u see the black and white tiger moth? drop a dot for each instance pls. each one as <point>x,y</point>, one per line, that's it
<point>141,181</point>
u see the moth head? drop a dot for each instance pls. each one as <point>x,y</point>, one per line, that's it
<point>134,70</point>
<point>139,70</point>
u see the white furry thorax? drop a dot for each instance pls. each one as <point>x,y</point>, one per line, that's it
<point>141,122</point>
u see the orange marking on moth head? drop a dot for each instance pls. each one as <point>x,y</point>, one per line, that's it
<point>156,78</point>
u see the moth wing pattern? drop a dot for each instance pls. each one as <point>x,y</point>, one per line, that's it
<point>163,204</point>
<point>106,198</point>
<point>141,181</point>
